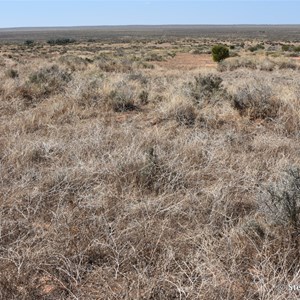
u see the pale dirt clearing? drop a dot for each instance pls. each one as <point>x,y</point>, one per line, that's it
<point>188,61</point>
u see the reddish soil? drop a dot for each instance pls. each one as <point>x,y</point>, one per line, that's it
<point>188,61</point>
<point>296,60</point>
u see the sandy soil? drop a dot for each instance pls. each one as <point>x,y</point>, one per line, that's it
<point>188,61</point>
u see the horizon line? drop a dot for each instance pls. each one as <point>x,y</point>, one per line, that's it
<point>149,25</point>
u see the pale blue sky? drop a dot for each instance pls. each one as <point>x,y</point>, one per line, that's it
<point>23,13</point>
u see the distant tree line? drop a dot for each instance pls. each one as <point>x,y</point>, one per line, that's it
<point>61,41</point>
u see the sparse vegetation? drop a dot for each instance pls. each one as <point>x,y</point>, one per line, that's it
<point>124,179</point>
<point>291,48</point>
<point>121,99</point>
<point>263,64</point>
<point>256,47</point>
<point>207,89</point>
<point>257,100</point>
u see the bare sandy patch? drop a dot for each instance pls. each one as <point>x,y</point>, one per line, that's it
<point>188,61</point>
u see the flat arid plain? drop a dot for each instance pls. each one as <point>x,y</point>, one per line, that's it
<point>133,166</point>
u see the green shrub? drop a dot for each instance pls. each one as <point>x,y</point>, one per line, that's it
<point>219,52</point>
<point>29,42</point>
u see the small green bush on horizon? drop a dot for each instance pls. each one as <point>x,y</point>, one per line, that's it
<point>28,42</point>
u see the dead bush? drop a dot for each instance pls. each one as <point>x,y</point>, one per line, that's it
<point>122,97</point>
<point>50,75</point>
<point>148,175</point>
<point>109,64</point>
<point>287,65</point>
<point>267,65</point>
<point>42,84</point>
<point>87,92</point>
<point>256,100</point>
<point>206,89</point>
<point>284,200</point>
<point>231,64</point>
<point>186,115</point>
<point>74,62</point>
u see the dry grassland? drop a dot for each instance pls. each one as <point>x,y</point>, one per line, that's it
<point>146,171</point>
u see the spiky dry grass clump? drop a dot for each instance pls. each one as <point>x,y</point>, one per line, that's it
<point>119,182</point>
<point>264,64</point>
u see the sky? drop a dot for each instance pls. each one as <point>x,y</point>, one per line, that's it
<point>42,13</point>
